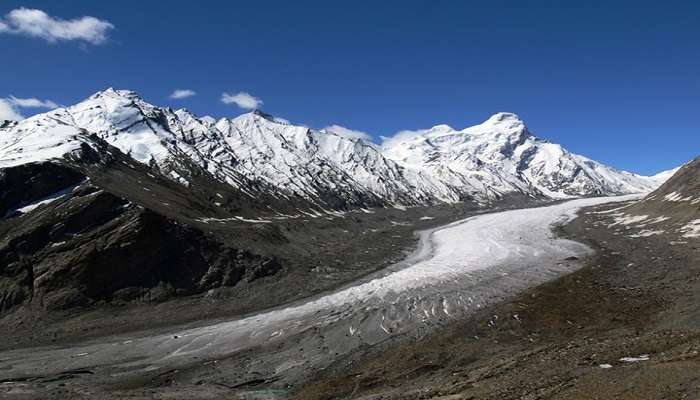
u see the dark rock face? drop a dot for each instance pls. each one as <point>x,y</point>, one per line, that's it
<point>6,123</point>
<point>90,246</point>
<point>30,182</point>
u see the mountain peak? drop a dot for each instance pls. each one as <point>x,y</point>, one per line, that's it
<point>503,117</point>
<point>208,120</point>
<point>259,114</point>
<point>111,92</point>
<point>263,114</point>
<point>442,128</point>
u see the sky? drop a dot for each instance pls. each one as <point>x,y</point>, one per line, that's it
<point>616,81</point>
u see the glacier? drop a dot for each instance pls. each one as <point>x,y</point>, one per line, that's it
<point>457,270</point>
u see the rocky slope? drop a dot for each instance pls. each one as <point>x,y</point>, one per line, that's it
<point>673,208</point>
<point>100,227</point>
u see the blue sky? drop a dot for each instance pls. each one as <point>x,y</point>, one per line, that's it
<point>616,81</point>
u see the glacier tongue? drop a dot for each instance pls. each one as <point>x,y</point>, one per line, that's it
<point>480,163</point>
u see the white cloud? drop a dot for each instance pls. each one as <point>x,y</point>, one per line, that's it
<point>8,111</point>
<point>182,93</point>
<point>9,106</point>
<point>401,136</point>
<point>242,100</point>
<point>36,23</point>
<point>348,133</point>
<point>33,103</point>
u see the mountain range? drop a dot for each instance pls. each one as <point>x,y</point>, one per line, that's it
<point>257,156</point>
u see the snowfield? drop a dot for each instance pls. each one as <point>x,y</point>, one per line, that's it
<point>456,269</point>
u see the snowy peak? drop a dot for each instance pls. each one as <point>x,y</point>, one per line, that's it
<point>502,122</point>
<point>500,127</point>
<point>264,115</point>
<point>112,99</point>
<point>118,96</point>
<point>112,92</point>
<point>503,117</point>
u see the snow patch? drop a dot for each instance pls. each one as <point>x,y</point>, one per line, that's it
<point>646,233</point>
<point>692,229</point>
<point>207,220</point>
<point>43,201</point>
<point>623,219</point>
<point>677,197</point>
<point>643,357</point>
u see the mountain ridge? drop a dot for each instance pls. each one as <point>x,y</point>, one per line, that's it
<point>480,163</point>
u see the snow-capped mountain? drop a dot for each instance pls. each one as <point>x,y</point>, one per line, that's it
<point>317,165</point>
<point>256,153</point>
<point>502,156</point>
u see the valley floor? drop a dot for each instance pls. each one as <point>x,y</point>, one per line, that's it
<point>627,325</point>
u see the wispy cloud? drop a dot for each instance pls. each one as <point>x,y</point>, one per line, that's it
<point>33,103</point>
<point>182,93</point>
<point>8,111</point>
<point>38,24</point>
<point>242,100</point>
<point>347,132</point>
